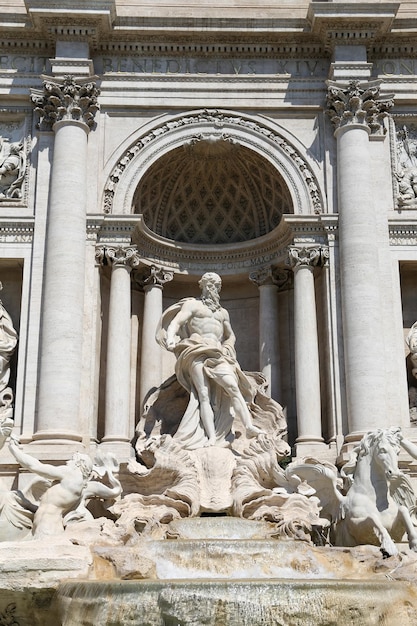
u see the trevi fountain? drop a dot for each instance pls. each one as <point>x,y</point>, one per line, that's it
<point>208,335</point>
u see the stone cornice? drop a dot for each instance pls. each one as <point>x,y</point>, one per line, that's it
<point>102,22</point>
<point>16,230</point>
<point>403,232</point>
<point>225,258</point>
<point>351,23</point>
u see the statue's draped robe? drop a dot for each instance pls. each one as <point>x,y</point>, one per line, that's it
<point>217,362</point>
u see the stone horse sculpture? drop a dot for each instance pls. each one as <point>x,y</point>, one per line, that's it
<point>379,504</point>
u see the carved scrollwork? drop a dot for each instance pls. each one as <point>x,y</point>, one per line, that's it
<point>358,103</point>
<point>153,276</point>
<point>268,275</point>
<point>66,99</point>
<point>120,256</point>
<point>311,257</point>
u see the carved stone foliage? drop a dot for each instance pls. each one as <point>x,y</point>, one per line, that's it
<point>66,99</point>
<point>220,120</point>
<point>406,170</point>
<point>358,103</point>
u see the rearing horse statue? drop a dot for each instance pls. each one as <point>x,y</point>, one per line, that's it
<point>379,504</point>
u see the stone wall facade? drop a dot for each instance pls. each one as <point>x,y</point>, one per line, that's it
<point>145,144</point>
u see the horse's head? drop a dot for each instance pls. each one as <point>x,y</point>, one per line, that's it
<point>384,447</point>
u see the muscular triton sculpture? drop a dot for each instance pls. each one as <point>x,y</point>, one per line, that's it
<point>199,333</point>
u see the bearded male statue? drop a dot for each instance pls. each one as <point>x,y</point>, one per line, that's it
<point>199,333</point>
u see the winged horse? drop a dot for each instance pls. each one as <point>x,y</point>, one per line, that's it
<point>379,504</point>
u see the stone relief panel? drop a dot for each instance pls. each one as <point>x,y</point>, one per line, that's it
<point>14,161</point>
<point>405,174</point>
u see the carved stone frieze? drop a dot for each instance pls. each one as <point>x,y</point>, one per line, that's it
<point>66,98</point>
<point>358,103</point>
<point>220,120</point>
<point>403,234</point>
<point>17,231</point>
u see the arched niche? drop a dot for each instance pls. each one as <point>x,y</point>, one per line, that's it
<point>255,134</point>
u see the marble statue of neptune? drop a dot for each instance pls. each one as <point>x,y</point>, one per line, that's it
<point>199,332</point>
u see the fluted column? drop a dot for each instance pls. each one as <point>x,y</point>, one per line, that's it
<point>357,111</point>
<point>269,280</point>
<point>307,367</point>
<point>152,280</point>
<point>117,399</point>
<point>68,106</point>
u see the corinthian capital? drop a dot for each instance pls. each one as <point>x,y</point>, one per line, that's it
<point>153,277</point>
<point>307,257</point>
<point>66,99</point>
<point>358,103</point>
<point>124,257</point>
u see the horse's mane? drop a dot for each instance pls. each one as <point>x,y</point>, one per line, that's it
<point>365,446</point>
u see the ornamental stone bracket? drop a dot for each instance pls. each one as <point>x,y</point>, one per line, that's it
<point>358,103</point>
<point>68,98</point>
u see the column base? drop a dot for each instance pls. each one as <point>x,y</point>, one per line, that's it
<point>57,436</point>
<point>310,446</point>
<point>122,449</point>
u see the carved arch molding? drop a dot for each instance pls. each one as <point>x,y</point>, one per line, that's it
<point>233,169</point>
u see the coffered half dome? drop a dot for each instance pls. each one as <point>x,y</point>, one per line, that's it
<point>212,191</point>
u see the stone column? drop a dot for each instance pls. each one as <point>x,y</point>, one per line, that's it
<point>357,111</point>
<point>68,106</point>
<point>269,280</point>
<point>307,369</point>
<point>152,280</point>
<point>117,399</point>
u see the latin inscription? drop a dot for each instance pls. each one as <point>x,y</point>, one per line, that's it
<point>211,66</point>
<point>205,66</point>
